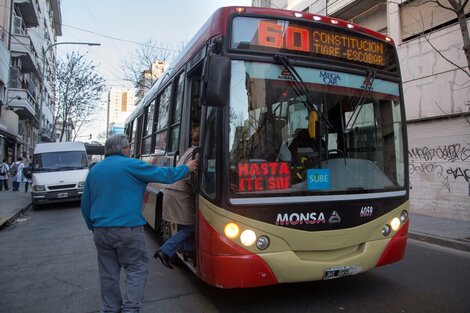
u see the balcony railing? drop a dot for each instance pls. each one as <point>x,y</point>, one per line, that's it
<point>22,102</point>
<point>46,135</point>
<point>22,47</point>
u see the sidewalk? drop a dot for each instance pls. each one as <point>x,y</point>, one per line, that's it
<point>449,233</point>
<point>440,231</point>
<point>12,204</point>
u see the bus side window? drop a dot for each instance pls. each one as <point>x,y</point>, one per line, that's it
<point>148,128</point>
<point>162,121</point>
<point>175,116</point>
<point>138,138</point>
<point>208,182</point>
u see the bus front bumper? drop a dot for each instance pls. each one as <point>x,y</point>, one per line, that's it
<point>226,265</point>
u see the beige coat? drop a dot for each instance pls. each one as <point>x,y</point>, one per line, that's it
<point>179,201</point>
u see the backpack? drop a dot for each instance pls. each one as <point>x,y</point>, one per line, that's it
<point>27,172</point>
<point>3,171</point>
<point>13,169</point>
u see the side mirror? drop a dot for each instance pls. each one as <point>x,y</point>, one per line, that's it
<point>215,81</point>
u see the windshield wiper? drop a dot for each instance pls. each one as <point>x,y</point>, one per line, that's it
<point>301,88</point>
<point>368,82</point>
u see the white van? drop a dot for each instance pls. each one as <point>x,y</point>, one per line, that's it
<point>59,172</point>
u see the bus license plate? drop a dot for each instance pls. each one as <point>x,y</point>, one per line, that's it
<point>63,195</point>
<point>337,272</point>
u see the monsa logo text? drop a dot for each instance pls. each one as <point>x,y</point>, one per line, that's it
<point>300,218</point>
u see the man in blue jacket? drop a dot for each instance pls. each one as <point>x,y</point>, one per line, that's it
<point>111,206</point>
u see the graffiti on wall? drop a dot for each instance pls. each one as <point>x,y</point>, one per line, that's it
<point>444,162</point>
<point>449,153</point>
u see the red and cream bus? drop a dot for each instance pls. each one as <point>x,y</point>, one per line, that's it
<point>303,157</point>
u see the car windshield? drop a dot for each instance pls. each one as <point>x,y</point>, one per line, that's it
<point>59,161</point>
<point>352,142</point>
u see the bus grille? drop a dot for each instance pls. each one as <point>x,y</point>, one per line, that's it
<point>61,187</point>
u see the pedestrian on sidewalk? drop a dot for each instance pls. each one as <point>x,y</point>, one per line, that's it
<point>16,171</point>
<point>111,206</point>
<point>28,176</point>
<point>4,170</point>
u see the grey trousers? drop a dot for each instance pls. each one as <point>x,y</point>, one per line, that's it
<point>122,247</point>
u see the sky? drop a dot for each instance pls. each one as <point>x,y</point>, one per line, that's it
<point>120,25</point>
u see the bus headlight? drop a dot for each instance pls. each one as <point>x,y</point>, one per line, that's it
<point>386,230</point>
<point>403,216</point>
<point>39,188</point>
<point>262,243</point>
<point>395,223</point>
<point>231,230</point>
<point>248,237</point>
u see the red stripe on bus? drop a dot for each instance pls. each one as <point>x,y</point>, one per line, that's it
<point>395,249</point>
<point>224,264</point>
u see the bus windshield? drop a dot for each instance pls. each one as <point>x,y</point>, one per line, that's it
<point>59,161</point>
<point>279,145</point>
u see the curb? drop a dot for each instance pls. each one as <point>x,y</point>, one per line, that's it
<point>12,219</point>
<point>441,241</point>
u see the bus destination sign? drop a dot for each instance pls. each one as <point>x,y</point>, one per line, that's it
<point>286,36</point>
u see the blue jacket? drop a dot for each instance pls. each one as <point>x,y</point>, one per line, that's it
<point>114,190</point>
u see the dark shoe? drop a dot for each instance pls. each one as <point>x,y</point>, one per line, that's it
<point>164,258</point>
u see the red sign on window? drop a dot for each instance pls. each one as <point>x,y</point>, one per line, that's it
<point>263,176</point>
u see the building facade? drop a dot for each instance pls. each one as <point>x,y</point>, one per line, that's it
<point>28,29</point>
<point>149,77</point>
<point>121,102</point>
<point>436,83</point>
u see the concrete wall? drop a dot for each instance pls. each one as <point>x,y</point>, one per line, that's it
<point>433,86</point>
<point>4,65</point>
<point>439,154</point>
<point>439,150</point>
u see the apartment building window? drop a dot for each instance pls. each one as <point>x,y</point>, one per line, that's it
<point>124,102</point>
<point>18,25</point>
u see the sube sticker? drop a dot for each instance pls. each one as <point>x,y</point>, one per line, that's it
<point>318,179</point>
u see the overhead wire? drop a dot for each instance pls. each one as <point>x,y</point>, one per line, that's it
<point>101,28</point>
<point>119,39</point>
<point>106,61</point>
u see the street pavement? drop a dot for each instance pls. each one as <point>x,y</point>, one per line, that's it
<point>445,232</point>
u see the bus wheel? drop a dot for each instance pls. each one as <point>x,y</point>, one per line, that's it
<point>165,232</point>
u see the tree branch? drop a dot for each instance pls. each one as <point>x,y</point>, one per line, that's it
<point>79,89</point>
